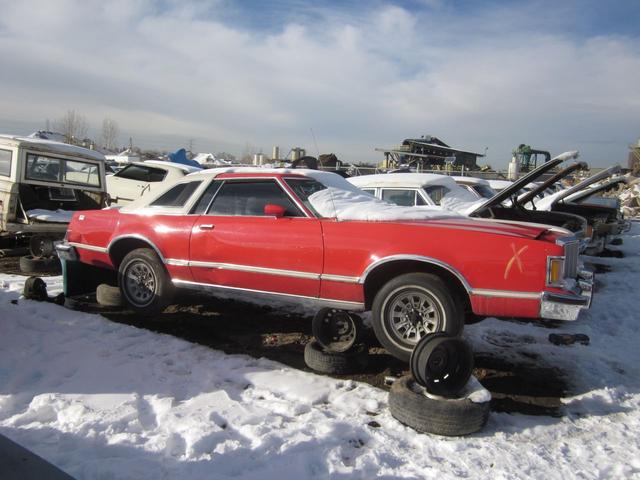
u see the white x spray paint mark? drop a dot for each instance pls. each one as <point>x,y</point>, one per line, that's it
<point>515,259</point>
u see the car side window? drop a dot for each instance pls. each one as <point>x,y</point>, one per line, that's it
<point>205,200</point>
<point>404,198</point>
<point>176,196</point>
<point>371,191</point>
<point>248,198</point>
<point>436,192</point>
<point>5,163</point>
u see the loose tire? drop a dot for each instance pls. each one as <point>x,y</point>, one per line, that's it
<point>411,405</point>
<point>108,295</point>
<point>31,264</point>
<point>336,330</point>
<point>411,306</point>
<point>144,283</point>
<point>320,360</point>
<point>442,364</point>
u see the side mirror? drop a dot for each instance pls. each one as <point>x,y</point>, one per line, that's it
<point>272,210</point>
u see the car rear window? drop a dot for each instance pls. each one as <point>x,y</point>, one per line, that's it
<point>176,196</point>
<point>142,173</point>
<point>5,163</point>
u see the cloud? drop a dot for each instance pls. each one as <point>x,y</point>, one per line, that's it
<point>361,79</point>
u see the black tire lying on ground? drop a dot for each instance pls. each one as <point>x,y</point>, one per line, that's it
<point>351,361</point>
<point>108,295</point>
<point>35,289</point>
<point>411,405</point>
<point>31,264</point>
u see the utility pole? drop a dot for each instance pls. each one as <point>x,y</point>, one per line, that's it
<point>191,145</point>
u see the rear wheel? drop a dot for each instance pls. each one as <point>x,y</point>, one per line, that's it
<point>144,283</point>
<point>411,306</point>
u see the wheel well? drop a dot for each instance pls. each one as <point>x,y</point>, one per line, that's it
<point>121,247</point>
<point>385,272</point>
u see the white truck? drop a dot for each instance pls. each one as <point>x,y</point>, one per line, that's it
<point>42,183</point>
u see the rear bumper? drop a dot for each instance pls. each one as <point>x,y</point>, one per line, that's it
<point>567,306</point>
<point>66,252</point>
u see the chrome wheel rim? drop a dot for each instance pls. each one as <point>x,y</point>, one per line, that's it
<point>413,313</point>
<point>140,283</point>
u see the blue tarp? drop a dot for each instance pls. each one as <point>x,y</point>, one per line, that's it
<point>180,156</point>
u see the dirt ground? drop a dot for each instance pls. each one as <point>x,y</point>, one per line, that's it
<point>277,334</point>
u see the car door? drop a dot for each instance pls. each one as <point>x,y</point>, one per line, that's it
<point>235,244</point>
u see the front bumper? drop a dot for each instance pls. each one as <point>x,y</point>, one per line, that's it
<point>567,306</point>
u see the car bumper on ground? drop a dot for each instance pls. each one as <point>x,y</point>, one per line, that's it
<point>567,306</point>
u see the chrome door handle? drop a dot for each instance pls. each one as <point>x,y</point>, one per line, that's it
<point>206,226</point>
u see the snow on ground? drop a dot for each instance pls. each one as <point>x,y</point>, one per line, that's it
<point>105,400</point>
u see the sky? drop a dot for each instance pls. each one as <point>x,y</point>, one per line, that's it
<point>343,77</point>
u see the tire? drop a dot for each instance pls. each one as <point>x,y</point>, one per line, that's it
<point>352,361</point>
<point>41,246</point>
<point>336,330</point>
<point>35,289</point>
<point>108,296</point>
<point>409,404</point>
<point>392,301</point>
<point>151,290</point>
<point>31,264</point>
<point>442,364</point>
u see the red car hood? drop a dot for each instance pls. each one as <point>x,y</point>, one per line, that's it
<point>514,229</point>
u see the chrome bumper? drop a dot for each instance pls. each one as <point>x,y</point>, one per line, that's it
<point>567,306</point>
<point>66,252</point>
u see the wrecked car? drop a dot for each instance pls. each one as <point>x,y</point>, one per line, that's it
<point>312,237</point>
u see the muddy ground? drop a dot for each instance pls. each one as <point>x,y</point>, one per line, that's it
<point>281,335</point>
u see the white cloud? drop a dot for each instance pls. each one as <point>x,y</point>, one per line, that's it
<point>359,81</point>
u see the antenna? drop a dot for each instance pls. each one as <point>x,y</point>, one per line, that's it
<point>314,141</point>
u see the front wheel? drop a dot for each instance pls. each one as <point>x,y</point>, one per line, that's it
<point>410,307</point>
<point>144,283</point>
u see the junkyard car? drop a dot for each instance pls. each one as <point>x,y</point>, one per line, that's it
<point>449,193</point>
<point>42,182</point>
<point>304,235</point>
<point>143,178</point>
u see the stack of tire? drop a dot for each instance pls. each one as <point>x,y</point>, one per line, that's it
<point>437,396</point>
<point>337,348</point>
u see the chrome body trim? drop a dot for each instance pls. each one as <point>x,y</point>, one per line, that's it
<point>481,292</point>
<point>85,246</point>
<point>252,269</point>
<point>418,258</point>
<point>341,304</point>
<point>136,237</point>
<point>177,262</point>
<point>268,271</point>
<point>339,278</point>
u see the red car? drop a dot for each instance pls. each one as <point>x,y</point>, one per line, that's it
<point>304,235</point>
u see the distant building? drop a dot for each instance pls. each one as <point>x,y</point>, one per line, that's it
<point>428,152</point>
<point>126,156</point>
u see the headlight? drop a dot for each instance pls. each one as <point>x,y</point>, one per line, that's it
<point>555,267</point>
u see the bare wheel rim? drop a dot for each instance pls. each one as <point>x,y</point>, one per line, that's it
<point>140,283</point>
<point>411,313</point>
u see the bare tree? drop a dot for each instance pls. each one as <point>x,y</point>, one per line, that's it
<point>248,153</point>
<point>109,134</point>
<point>73,126</point>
